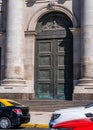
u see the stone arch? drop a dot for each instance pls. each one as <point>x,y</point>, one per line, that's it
<point>44,10</point>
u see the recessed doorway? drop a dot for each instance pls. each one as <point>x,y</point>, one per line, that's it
<point>54,57</point>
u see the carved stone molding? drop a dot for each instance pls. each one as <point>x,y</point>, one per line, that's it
<point>52,26</point>
<point>30,2</point>
<point>29,33</point>
<point>75,30</point>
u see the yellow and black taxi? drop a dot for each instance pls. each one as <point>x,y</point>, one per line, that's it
<point>13,114</point>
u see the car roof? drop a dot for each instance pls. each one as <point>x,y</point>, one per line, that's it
<point>9,102</point>
<point>6,102</point>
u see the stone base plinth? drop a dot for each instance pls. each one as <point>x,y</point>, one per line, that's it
<point>84,90</point>
<point>81,96</point>
<point>15,89</point>
<point>13,81</point>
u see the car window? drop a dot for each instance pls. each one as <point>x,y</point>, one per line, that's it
<point>89,105</point>
<point>15,103</point>
<point>2,105</point>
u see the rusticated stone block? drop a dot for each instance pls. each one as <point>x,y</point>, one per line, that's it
<point>16,96</point>
<point>82,96</point>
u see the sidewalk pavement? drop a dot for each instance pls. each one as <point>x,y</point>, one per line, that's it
<point>39,120</point>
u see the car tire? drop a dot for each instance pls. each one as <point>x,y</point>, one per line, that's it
<point>5,123</point>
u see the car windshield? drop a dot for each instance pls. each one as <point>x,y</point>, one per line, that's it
<point>2,105</point>
<point>89,105</point>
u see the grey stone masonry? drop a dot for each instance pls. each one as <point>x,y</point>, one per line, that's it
<point>87,39</point>
<point>85,85</point>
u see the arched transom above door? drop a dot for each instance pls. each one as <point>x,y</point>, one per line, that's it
<point>43,10</point>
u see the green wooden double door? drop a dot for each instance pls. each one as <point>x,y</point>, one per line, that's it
<point>54,68</point>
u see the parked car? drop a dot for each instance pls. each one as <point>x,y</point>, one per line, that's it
<point>12,114</point>
<point>75,118</point>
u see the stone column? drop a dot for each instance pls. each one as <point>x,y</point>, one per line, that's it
<point>87,39</point>
<point>84,90</point>
<point>14,86</point>
<point>14,40</point>
<point>0,15</point>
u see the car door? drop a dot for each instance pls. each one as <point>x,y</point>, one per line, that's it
<point>1,110</point>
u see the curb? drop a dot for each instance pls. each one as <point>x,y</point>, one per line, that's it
<point>35,125</point>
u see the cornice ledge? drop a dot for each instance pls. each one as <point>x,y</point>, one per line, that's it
<point>29,33</point>
<point>2,33</point>
<point>75,29</point>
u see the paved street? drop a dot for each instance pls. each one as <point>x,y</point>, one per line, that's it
<point>24,128</point>
<point>28,128</point>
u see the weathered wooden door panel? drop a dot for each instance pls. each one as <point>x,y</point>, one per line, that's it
<point>53,68</point>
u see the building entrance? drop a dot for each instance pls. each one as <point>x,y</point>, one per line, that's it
<point>54,58</point>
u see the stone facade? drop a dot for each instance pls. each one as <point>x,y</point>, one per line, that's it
<point>18,21</point>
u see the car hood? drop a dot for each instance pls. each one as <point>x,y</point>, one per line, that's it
<point>73,109</point>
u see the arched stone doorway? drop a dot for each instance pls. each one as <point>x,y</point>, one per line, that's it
<point>54,57</point>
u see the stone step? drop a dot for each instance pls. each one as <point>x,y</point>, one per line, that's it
<point>52,105</point>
